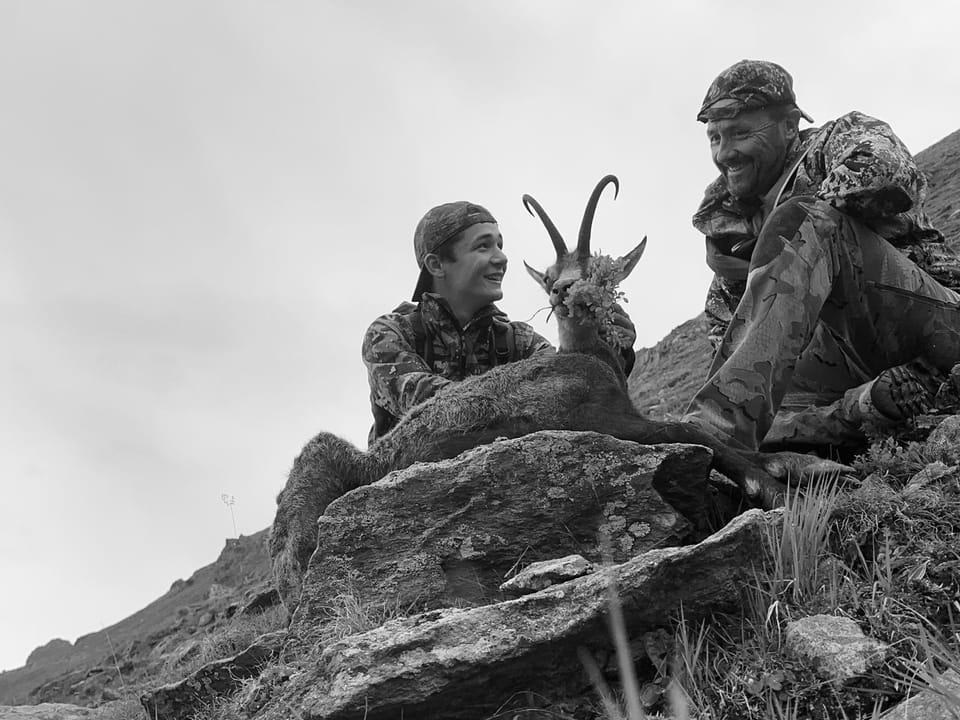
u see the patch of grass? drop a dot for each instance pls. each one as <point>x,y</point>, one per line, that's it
<point>797,547</point>
<point>220,709</point>
<point>528,705</point>
<point>222,642</point>
<point>893,461</point>
<point>350,613</point>
<point>897,535</point>
<point>252,695</point>
<point>926,672</point>
<point>692,669</point>
<point>127,709</point>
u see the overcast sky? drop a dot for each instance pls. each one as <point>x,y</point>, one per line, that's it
<point>204,204</point>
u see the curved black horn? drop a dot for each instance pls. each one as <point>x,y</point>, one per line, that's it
<point>583,242</point>
<point>559,245</point>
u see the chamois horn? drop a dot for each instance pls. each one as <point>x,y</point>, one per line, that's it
<point>583,242</point>
<point>559,245</point>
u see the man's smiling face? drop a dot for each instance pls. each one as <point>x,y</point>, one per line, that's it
<point>750,150</point>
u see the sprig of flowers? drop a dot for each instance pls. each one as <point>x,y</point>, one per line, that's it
<point>593,299</point>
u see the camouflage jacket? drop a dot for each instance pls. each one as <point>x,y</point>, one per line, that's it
<point>401,378</point>
<point>859,166</point>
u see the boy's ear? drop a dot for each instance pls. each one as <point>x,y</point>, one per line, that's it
<point>433,264</point>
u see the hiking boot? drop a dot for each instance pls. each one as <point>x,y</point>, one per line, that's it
<point>905,391</point>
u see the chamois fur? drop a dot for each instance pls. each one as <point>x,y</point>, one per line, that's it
<point>581,387</point>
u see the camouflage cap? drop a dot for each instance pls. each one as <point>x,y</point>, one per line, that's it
<point>748,85</point>
<point>440,224</point>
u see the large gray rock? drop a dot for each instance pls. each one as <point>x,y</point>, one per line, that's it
<point>543,574</point>
<point>834,646</point>
<point>944,441</point>
<point>448,533</point>
<point>453,663</point>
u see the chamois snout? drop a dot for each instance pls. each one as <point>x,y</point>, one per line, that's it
<point>559,289</point>
<point>558,292</point>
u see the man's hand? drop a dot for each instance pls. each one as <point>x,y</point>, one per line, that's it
<point>623,327</point>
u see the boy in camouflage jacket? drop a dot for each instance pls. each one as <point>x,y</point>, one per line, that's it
<point>831,305</point>
<point>452,329</point>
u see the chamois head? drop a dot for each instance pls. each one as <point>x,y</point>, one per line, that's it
<point>581,286</point>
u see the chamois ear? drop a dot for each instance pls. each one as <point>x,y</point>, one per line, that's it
<point>630,260</point>
<point>540,277</point>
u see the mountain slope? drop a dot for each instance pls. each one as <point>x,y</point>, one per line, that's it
<point>89,671</point>
<point>941,163</point>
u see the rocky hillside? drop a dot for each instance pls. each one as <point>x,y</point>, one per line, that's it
<point>667,375</point>
<point>95,668</point>
<point>494,603</point>
<point>941,163</point>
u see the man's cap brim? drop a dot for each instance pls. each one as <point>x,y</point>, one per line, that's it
<point>727,108</point>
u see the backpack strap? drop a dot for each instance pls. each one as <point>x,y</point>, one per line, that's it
<point>421,339</point>
<point>503,342</point>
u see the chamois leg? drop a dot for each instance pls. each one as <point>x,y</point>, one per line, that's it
<point>742,466</point>
<point>452,444</point>
<point>326,468</point>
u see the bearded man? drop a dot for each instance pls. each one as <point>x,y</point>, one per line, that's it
<point>831,308</point>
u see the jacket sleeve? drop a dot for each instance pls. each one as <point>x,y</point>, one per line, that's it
<point>399,378</point>
<point>845,421</point>
<point>722,300</point>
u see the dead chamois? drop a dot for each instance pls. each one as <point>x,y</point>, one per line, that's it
<point>581,387</point>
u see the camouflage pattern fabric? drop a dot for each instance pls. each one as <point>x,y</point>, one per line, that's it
<point>400,378</point>
<point>828,305</point>
<point>748,85</point>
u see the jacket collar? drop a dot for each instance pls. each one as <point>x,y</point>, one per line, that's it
<point>436,310</point>
<point>718,203</point>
